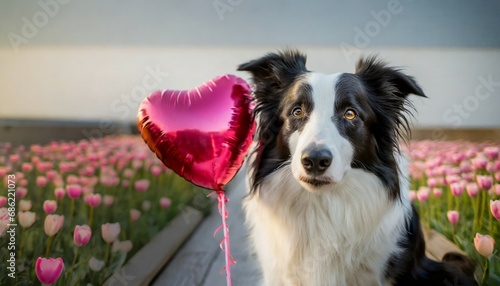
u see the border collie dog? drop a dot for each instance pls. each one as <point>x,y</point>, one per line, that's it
<point>329,192</point>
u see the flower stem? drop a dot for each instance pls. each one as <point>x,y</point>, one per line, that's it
<point>71,210</point>
<point>457,204</point>
<point>91,217</point>
<point>73,266</point>
<point>47,248</point>
<point>474,206</point>
<point>486,272</point>
<point>106,256</point>
<point>482,208</point>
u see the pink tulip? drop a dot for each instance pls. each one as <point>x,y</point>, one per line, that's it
<point>165,202</point>
<point>484,182</point>
<point>450,179</point>
<point>469,177</point>
<point>479,162</point>
<point>472,189</point>
<point>23,182</point>
<point>423,194</point>
<point>110,231</point>
<point>26,219</point>
<point>432,182</point>
<point>3,201</point>
<point>51,175</point>
<point>457,188</point>
<point>41,181</point>
<point>14,158</point>
<point>72,180</point>
<point>128,173</point>
<point>59,193</point>
<point>82,235</point>
<point>74,191</point>
<point>49,206</point>
<point>25,205</point>
<point>457,157</point>
<point>21,192</point>
<point>495,208</point>
<point>48,270</point>
<point>484,244</point>
<point>155,170</point>
<point>53,223</point>
<point>93,200</point>
<point>141,185</point>
<point>135,214</point>
<point>108,200</point>
<point>437,192</point>
<point>492,152</point>
<point>496,188</point>
<point>123,246</point>
<point>26,167</point>
<point>453,216</point>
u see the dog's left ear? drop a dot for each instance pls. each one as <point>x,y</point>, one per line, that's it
<point>377,75</point>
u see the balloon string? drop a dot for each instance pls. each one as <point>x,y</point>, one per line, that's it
<point>224,244</point>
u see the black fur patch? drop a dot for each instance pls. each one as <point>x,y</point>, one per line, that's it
<point>273,76</point>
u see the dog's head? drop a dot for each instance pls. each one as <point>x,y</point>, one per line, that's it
<point>324,125</point>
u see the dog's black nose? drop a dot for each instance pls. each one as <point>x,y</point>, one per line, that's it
<point>316,161</point>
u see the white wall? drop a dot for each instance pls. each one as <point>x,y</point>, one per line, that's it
<point>109,83</point>
<point>93,59</point>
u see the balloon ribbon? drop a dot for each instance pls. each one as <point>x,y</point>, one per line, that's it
<point>224,244</point>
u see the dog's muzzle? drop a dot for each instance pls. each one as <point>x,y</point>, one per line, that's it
<point>316,160</point>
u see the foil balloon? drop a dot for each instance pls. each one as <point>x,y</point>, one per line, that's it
<point>202,134</point>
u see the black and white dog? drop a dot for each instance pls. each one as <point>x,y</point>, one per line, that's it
<point>329,193</point>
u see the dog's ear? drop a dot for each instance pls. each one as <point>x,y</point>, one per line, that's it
<point>275,71</point>
<point>388,89</point>
<point>376,74</point>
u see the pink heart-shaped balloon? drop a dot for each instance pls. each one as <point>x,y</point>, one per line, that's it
<point>203,134</point>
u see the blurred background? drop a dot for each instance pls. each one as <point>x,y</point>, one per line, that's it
<point>74,69</point>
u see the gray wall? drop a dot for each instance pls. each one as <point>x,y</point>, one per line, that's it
<point>425,23</point>
<point>87,60</point>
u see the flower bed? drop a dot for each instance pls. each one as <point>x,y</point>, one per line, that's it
<point>456,187</point>
<point>83,208</point>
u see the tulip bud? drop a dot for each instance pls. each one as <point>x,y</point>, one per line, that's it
<point>96,264</point>
<point>49,206</point>
<point>484,244</point>
<point>93,200</point>
<point>495,209</point>
<point>453,216</point>
<point>110,231</point>
<point>484,182</point>
<point>53,224</point>
<point>74,191</point>
<point>165,202</point>
<point>134,215</point>
<point>26,219</point>
<point>472,189</point>
<point>141,185</point>
<point>48,270</point>
<point>82,235</point>
<point>24,205</point>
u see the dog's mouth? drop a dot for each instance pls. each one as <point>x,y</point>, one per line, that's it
<point>316,182</point>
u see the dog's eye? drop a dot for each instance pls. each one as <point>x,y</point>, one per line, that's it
<point>350,114</point>
<point>297,112</point>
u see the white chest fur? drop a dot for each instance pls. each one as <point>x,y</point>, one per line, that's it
<point>340,237</point>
